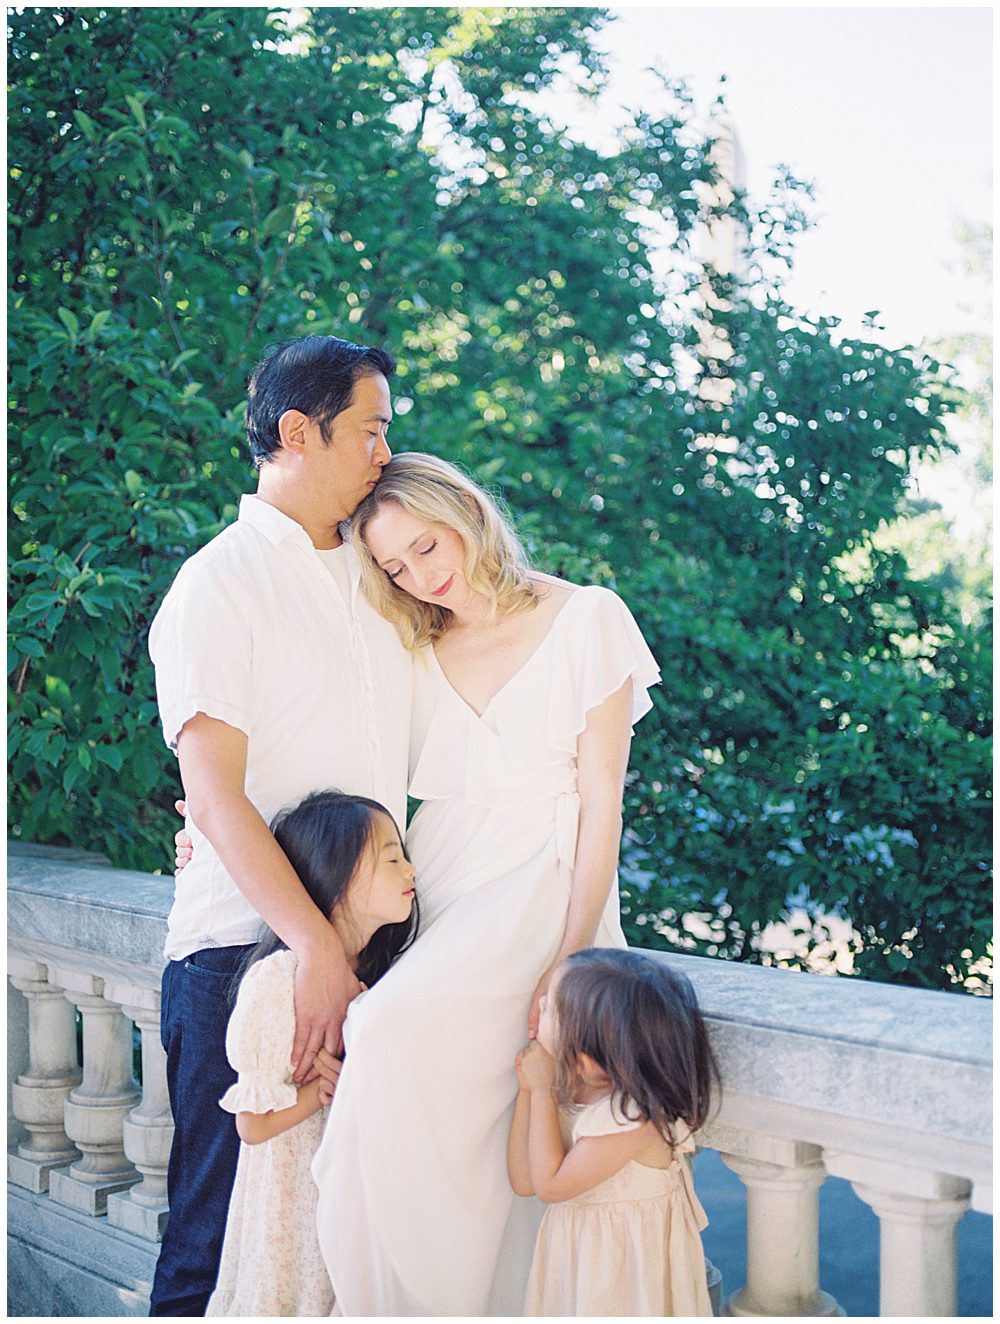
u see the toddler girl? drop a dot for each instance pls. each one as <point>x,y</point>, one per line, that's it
<point>619,1077</point>
<point>348,854</point>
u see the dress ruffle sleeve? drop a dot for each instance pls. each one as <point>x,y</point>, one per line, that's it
<point>601,647</point>
<point>608,1116</point>
<point>260,1037</point>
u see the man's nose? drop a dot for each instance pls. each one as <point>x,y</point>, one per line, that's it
<point>382,454</point>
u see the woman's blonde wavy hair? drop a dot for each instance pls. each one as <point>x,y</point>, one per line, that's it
<point>495,562</point>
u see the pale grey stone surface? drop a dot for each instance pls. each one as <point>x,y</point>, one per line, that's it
<point>843,1064</point>
<point>913,1059</point>
<point>85,905</point>
<point>60,1263</point>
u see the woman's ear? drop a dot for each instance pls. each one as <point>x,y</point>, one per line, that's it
<point>292,429</point>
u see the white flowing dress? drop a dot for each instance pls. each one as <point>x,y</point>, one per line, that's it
<point>416,1216</point>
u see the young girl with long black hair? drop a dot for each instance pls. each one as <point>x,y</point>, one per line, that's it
<point>348,853</point>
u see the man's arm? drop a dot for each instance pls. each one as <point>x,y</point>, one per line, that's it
<point>213,762</point>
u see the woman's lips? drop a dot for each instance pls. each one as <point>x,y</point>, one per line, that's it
<point>440,592</point>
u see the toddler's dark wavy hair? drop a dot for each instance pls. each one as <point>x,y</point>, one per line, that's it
<point>325,838</point>
<point>641,1023</point>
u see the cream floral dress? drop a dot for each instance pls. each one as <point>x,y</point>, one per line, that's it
<point>271,1263</point>
<point>629,1246</point>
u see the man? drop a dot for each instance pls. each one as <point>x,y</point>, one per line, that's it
<point>274,678</point>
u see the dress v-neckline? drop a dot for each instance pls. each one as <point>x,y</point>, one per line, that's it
<point>521,669</point>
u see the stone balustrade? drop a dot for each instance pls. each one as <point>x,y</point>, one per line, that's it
<point>886,1087</point>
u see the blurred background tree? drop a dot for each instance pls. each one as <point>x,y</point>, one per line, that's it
<point>189,186</point>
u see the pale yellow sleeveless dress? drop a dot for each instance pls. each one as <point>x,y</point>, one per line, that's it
<point>630,1246</point>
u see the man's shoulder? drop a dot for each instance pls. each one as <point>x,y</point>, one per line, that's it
<point>224,556</point>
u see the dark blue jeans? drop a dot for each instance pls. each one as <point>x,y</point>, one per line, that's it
<point>194,1012</point>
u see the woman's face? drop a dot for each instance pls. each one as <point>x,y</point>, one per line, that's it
<point>424,559</point>
<point>381,891</point>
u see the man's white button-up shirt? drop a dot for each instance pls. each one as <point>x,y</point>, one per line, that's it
<point>255,632</point>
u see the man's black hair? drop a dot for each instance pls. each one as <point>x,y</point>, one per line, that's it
<point>316,375</point>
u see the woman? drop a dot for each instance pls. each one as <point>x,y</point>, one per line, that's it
<point>526,690</point>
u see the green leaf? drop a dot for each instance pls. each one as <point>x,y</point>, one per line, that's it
<point>109,755</point>
<point>136,107</point>
<point>69,321</point>
<point>279,220</point>
<point>98,322</point>
<point>86,124</point>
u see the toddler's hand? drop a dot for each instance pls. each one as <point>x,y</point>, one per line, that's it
<point>535,1068</point>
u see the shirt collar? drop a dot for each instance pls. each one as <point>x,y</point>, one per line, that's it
<point>274,524</point>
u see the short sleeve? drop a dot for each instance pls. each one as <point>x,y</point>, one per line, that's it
<point>202,651</point>
<point>602,648</point>
<point>608,1116</point>
<point>260,1037</point>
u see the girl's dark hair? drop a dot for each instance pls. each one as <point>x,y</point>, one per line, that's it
<point>640,1022</point>
<point>325,838</point>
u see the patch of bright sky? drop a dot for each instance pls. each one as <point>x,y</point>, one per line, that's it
<point>887,110</point>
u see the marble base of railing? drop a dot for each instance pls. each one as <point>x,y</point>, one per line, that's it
<point>89,1198</point>
<point>148,1221</point>
<point>33,1174</point>
<point>714,1287</point>
<point>62,1263</point>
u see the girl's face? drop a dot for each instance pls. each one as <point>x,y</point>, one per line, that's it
<point>548,1023</point>
<point>382,890</point>
<point>424,559</point>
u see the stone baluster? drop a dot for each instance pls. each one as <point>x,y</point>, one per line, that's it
<point>918,1215</point>
<point>782,1178</point>
<point>149,1128</point>
<point>39,1094</point>
<point>96,1110</point>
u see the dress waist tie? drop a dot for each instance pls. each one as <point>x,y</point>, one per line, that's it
<point>567,827</point>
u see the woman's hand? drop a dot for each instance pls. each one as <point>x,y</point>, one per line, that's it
<point>536,1069</point>
<point>183,850</point>
<point>536,998</point>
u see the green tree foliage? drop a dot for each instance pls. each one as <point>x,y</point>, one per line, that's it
<point>190,185</point>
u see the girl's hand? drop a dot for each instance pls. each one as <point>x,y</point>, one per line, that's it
<point>328,1068</point>
<point>183,850</point>
<point>536,1069</point>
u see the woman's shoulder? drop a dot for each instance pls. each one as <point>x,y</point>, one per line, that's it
<point>558,591</point>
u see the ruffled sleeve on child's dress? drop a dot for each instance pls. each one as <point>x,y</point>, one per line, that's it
<point>608,1116</point>
<point>260,1037</point>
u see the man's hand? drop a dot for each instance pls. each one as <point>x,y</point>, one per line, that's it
<point>324,987</point>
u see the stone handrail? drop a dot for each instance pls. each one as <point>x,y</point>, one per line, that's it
<point>885,1086</point>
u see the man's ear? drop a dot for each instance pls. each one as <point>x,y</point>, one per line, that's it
<point>291,429</point>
